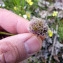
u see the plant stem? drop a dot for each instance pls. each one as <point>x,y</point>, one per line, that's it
<point>5,33</point>
<point>52,49</point>
<point>54,42</point>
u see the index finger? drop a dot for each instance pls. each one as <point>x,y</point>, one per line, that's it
<point>12,22</point>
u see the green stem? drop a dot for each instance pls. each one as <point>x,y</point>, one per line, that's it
<point>5,33</point>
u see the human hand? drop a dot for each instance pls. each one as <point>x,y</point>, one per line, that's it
<point>20,46</point>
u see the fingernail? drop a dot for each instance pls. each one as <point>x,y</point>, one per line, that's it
<point>33,45</point>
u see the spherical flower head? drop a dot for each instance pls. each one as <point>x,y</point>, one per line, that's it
<point>28,14</point>
<point>19,14</point>
<point>3,5</point>
<point>50,33</point>
<point>25,16</point>
<point>29,2</point>
<point>55,13</point>
<point>38,26</point>
<point>15,8</point>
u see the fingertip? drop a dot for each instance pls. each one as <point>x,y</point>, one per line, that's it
<point>33,45</point>
<point>12,22</point>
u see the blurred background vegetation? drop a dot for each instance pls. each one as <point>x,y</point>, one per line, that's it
<point>24,8</point>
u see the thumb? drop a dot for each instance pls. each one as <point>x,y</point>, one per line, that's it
<point>19,47</point>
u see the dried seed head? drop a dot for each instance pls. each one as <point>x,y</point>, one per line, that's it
<point>38,26</point>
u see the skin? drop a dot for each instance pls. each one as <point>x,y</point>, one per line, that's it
<point>20,46</point>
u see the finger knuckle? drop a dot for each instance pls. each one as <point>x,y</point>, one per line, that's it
<point>7,54</point>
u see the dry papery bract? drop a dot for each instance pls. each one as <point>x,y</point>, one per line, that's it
<point>38,26</point>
